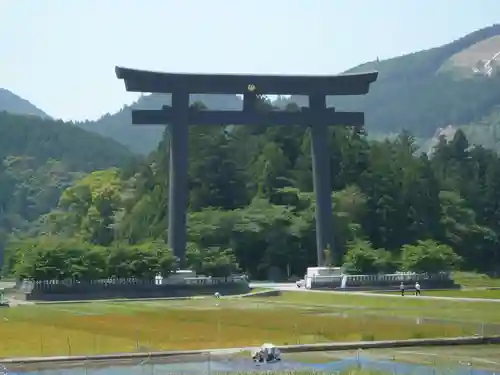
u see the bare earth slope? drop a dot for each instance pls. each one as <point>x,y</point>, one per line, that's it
<point>480,58</point>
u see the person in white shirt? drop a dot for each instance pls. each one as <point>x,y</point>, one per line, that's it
<point>417,288</point>
<point>402,288</point>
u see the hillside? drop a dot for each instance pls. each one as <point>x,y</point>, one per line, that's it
<point>14,104</point>
<point>143,139</point>
<point>455,84</point>
<point>39,158</point>
<point>419,92</point>
<point>427,90</point>
<point>45,139</point>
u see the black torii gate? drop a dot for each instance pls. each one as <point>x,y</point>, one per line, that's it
<point>180,115</point>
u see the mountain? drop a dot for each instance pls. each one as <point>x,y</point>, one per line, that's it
<point>455,84</point>
<point>144,138</point>
<point>431,89</point>
<point>12,103</point>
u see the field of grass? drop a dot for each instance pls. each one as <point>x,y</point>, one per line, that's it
<point>105,327</point>
<point>390,307</point>
<point>465,293</point>
<point>475,280</point>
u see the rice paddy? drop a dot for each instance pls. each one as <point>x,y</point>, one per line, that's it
<point>107,327</point>
<point>464,293</point>
<point>474,312</point>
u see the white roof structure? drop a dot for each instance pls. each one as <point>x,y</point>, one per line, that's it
<point>268,346</point>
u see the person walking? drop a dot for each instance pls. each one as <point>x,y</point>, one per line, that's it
<point>417,288</point>
<point>402,288</point>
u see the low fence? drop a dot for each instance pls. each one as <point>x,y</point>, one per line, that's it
<point>428,281</point>
<point>129,288</point>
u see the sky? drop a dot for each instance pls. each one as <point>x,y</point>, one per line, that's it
<point>60,55</point>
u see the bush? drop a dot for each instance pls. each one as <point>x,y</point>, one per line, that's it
<point>428,256</point>
<point>56,258</point>
<point>362,258</point>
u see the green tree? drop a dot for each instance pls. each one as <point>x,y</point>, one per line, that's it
<point>429,256</point>
<point>212,261</point>
<point>362,258</point>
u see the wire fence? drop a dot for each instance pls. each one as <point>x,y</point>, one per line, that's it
<point>390,362</point>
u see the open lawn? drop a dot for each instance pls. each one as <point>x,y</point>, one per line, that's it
<point>105,327</point>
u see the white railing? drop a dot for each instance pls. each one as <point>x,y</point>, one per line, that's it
<point>368,280</point>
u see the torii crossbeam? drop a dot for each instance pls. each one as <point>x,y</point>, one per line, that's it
<point>180,115</point>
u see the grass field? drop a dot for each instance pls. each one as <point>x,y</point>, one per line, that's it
<point>465,293</point>
<point>390,307</point>
<point>475,280</point>
<point>98,327</point>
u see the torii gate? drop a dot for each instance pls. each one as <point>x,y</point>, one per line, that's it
<point>180,115</point>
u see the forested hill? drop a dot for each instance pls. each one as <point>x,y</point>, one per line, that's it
<point>144,138</point>
<point>39,158</point>
<point>426,90</point>
<point>45,139</point>
<point>14,104</point>
<point>419,92</point>
<point>454,84</point>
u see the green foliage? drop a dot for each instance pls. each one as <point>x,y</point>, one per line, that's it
<point>362,258</point>
<point>212,261</point>
<point>39,159</point>
<point>428,256</point>
<point>93,203</point>
<point>48,139</point>
<point>144,139</point>
<point>56,258</point>
<point>251,208</point>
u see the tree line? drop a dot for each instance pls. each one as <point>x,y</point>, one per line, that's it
<point>39,159</point>
<point>252,206</point>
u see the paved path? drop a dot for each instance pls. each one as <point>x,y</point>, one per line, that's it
<point>293,287</point>
<point>7,284</point>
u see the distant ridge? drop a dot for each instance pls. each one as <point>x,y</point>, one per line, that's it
<point>421,92</point>
<point>12,103</point>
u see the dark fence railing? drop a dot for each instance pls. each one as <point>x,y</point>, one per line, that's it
<point>111,283</point>
<point>130,288</point>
